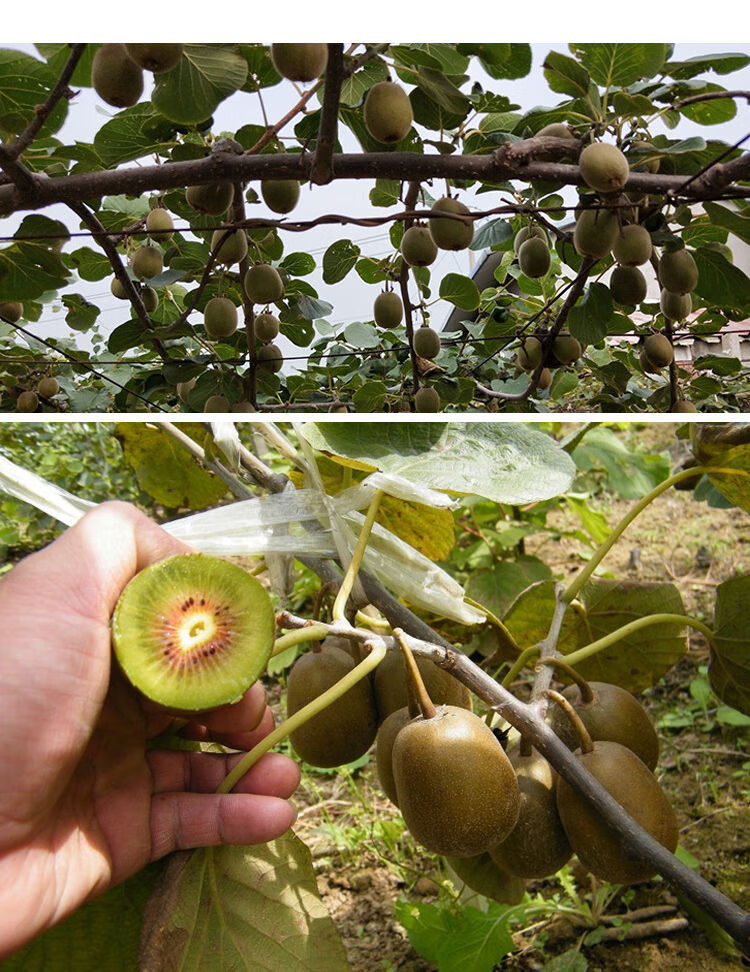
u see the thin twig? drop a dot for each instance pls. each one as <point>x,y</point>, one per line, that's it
<point>43,111</point>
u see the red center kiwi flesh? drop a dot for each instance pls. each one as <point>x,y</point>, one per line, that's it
<point>193,632</point>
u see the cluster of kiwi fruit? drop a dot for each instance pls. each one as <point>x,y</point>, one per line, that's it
<point>117,69</point>
<point>47,386</point>
<point>420,243</point>
<point>193,632</point>
<point>564,350</point>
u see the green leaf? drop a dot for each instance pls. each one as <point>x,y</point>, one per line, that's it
<point>620,64</point>
<point>298,264</point>
<point>205,75</point>
<point>458,939</point>
<point>636,662</point>
<point>101,936</point>
<point>720,282</point>
<point>166,470</point>
<point>714,112</point>
<point>126,336</point>
<point>338,260</point>
<point>81,315</point>
<point>312,309</point>
<point>720,63</point>
<point>361,335</point>
<point>593,521</point>
<point>387,192</point>
<point>356,85</point>
<point>720,364</point>
<point>725,447</point>
<point>501,60</point>
<point>498,587</point>
<point>460,291</point>
<point>729,669</point>
<point>565,75</point>
<point>491,233</point>
<point>736,223</point>
<point>588,320</point>
<point>506,463</point>
<point>631,474</point>
<point>90,264</point>
<point>25,83</point>
<point>133,133</point>
<point>241,908</point>
<point>28,270</point>
<point>370,397</point>
<point>260,70</point>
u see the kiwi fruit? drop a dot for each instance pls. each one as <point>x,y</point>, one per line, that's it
<point>544,380</point>
<point>646,364</point>
<point>609,713</point>
<point>484,875</point>
<point>566,349</point>
<point>534,257</point>
<point>527,233</point>
<point>387,112</point>
<point>48,387</point>
<point>280,195</point>
<point>537,846</point>
<point>216,403</point>
<point>683,405</point>
<point>344,730</point>
<point>243,407</point>
<point>675,307</point>
<point>603,167</point>
<point>184,388</point>
<point>193,632</point>
<point>627,285</point>
<point>387,732</point>
<point>118,289</point>
<point>156,58</point>
<point>116,78</point>
<point>388,310</point>
<point>529,355</point>
<point>678,272</point>
<point>147,262</point>
<point>210,198</point>
<point>659,350</point>
<point>270,358</point>
<point>595,233</point>
<point>450,234</point>
<point>456,788</point>
<point>11,310</point>
<point>150,299</point>
<point>266,327</point>
<point>427,399</point>
<point>557,130</point>
<point>389,684</point>
<point>220,318</point>
<point>632,784</point>
<point>427,343</point>
<point>300,62</point>
<point>234,247</point>
<point>27,401</point>
<point>159,224</point>
<point>263,285</point>
<point>418,247</point>
<point>632,247</point>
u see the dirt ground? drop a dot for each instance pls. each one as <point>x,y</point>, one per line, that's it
<point>704,773</point>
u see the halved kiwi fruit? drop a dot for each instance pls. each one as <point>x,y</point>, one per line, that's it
<point>193,632</point>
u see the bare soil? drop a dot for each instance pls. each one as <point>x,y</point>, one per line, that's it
<point>701,769</point>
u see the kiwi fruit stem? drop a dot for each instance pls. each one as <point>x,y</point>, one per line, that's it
<point>312,632</point>
<point>587,694</point>
<point>302,716</point>
<point>414,679</point>
<point>339,605</point>
<point>582,732</point>
<point>380,625</point>
<point>523,660</point>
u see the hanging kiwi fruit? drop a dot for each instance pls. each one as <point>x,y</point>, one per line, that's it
<point>608,712</point>
<point>391,685</point>
<point>631,783</point>
<point>344,730</point>
<point>193,632</point>
<point>456,788</point>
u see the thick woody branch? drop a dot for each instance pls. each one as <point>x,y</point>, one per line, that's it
<point>321,172</point>
<point>507,162</point>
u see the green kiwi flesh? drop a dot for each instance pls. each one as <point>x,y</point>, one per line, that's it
<point>632,784</point>
<point>193,632</point>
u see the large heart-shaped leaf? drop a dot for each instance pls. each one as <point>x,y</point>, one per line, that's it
<point>729,670</point>
<point>205,75</point>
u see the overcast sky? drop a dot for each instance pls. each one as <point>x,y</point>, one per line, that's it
<point>352,299</point>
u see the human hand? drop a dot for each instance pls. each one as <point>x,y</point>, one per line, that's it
<point>83,803</point>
